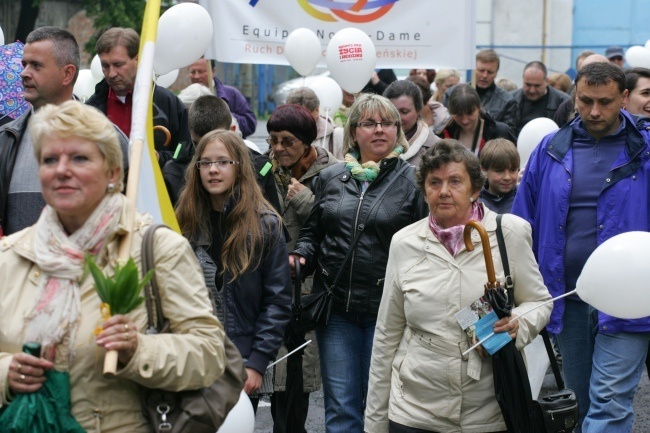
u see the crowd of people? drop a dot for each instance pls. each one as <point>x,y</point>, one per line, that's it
<point>372,202</point>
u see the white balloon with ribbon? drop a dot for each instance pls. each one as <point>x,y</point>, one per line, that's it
<point>329,94</point>
<point>168,79</point>
<point>84,87</point>
<point>614,279</point>
<point>303,50</point>
<point>530,136</point>
<point>351,58</point>
<point>96,69</point>
<point>241,418</point>
<point>638,56</point>
<point>184,34</point>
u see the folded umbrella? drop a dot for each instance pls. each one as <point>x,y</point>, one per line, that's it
<point>294,337</point>
<point>511,384</point>
<point>46,410</point>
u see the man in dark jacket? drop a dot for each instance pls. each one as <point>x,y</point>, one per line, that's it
<point>536,98</point>
<point>237,103</point>
<point>498,103</point>
<point>118,52</point>
<point>50,69</point>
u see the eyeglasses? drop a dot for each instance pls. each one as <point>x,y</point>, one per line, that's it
<point>370,125</point>
<point>221,164</point>
<point>618,58</point>
<point>285,141</point>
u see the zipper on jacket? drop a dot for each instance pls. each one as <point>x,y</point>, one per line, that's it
<point>356,220</point>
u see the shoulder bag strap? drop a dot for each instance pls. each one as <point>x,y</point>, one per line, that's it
<point>155,318</point>
<point>510,286</point>
<point>360,227</point>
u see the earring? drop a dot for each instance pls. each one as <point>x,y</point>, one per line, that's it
<point>111,187</point>
<point>471,199</point>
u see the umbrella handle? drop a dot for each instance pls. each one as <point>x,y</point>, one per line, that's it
<point>487,250</point>
<point>168,135</point>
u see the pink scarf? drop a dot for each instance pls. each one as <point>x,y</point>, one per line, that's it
<point>452,237</point>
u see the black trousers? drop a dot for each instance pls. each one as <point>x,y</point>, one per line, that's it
<point>279,412</point>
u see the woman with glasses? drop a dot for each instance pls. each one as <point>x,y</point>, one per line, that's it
<point>359,205</point>
<point>296,161</point>
<point>238,239</point>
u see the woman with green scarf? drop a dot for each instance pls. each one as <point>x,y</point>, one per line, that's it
<point>359,205</point>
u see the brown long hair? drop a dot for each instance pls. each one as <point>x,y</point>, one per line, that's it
<point>244,244</point>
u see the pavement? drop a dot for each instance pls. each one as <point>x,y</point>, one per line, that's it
<point>316,417</point>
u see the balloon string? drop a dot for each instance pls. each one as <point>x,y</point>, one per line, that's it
<point>289,354</point>
<point>519,317</point>
<point>327,119</point>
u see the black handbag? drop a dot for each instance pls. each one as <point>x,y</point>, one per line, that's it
<point>194,411</point>
<point>317,307</point>
<point>557,412</point>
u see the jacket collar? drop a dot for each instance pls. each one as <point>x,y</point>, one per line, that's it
<point>562,141</point>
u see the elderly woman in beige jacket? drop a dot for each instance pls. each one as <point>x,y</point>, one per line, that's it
<point>46,297</point>
<point>419,381</point>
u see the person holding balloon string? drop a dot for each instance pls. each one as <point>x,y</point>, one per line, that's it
<point>583,185</point>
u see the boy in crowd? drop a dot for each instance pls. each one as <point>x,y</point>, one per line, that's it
<point>500,162</point>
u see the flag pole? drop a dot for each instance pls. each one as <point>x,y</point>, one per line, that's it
<point>141,127</point>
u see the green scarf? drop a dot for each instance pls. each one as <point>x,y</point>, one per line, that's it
<point>368,171</point>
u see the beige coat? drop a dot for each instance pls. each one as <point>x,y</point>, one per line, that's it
<point>191,358</point>
<point>417,375</point>
<point>294,215</point>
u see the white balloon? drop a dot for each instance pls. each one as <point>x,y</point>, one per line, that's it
<point>329,94</point>
<point>2,37</point>
<point>84,87</point>
<point>184,33</point>
<point>241,418</point>
<point>647,44</point>
<point>351,58</point>
<point>168,79</point>
<point>638,56</point>
<point>615,278</point>
<point>303,50</point>
<point>96,69</point>
<point>530,136</point>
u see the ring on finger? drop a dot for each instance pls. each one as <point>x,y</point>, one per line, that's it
<point>126,327</point>
<point>127,336</point>
<point>22,378</point>
<point>19,367</point>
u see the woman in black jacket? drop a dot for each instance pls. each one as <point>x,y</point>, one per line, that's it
<point>469,124</point>
<point>374,192</point>
<point>238,238</point>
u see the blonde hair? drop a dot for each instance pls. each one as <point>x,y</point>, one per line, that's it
<point>441,76</point>
<point>74,119</point>
<point>367,105</point>
<point>243,246</point>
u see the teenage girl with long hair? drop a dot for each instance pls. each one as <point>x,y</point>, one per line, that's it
<point>238,239</point>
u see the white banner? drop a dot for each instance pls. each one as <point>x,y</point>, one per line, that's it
<point>406,33</point>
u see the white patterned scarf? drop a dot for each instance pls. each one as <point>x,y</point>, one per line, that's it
<point>61,257</point>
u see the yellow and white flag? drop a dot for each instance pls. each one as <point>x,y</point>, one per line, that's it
<point>148,183</point>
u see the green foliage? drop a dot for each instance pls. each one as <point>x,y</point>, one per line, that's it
<point>116,13</point>
<point>121,291</point>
